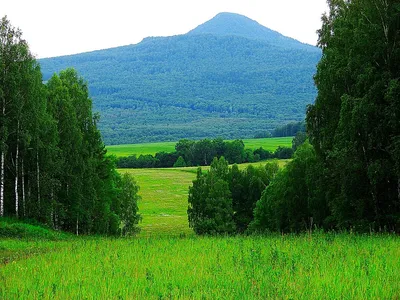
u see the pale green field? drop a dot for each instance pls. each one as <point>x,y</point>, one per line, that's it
<point>319,266</point>
<point>164,201</point>
<point>269,144</point>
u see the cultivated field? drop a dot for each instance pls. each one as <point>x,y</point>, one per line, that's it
<point>269,144</point>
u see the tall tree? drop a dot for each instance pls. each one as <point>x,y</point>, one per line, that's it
<point>20,98</point>
<point>354,123</point>
<point>210,202</point>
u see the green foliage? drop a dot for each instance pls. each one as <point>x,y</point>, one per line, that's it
<point>247,187</point>
<point>180,162</point>
<point>197,85</point>
<point>290,129</point>
<point>200,153</point>
<point>283,152</point>
<point>226,195</point>
<point>298,140</point>
<point>210,203</point>
<point>354,124</point>
<point>21,230</point>
<point>165,156</point>
<point>128,212</point>
<point>53,167</point>
<point>292,202</point>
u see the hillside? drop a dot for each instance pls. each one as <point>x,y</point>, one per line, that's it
<point>230,24</point>
<point>229,77</point>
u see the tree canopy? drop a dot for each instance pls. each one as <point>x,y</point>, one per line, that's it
<point>53,166</point>
<point>222,200</point>
<point>352,180</point>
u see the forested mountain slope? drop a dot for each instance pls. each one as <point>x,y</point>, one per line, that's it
<point>229,77</point>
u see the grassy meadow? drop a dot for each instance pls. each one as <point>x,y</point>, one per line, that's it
<point>164,194</point>
<point>167,261</point>
<point>319,266</point>
<point>269,144</point>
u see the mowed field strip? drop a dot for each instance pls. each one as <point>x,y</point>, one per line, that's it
<point>269,144</point>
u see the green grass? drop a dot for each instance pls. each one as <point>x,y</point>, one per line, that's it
<point>149,148</point>
<point>167,261</point>
<point>152,148</point>
<point>20,240</point>
<point>164,203</point>
<point>320,266</point>
<point>270,144</point>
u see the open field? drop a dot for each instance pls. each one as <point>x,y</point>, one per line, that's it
<point>320,266</point>
<point>164,195</point>
<point>164,202</point>
<point>148,148</point>
<point>269,144</point>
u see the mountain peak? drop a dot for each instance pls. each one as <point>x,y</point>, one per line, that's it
<point>232,24</point>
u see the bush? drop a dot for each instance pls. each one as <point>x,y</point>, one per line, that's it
<point>17,229</point>
<point>180,163</point>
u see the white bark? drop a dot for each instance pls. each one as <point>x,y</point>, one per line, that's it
<point>2,166</point>
<point>23,188</point>
<point>16,180</point>
<point>52,209</point>
<point>398,189</point>
<point>38,178</point>
<point>2,185</point>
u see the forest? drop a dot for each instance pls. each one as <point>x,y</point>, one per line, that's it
<point>229,78</point>
<point>53,167</point>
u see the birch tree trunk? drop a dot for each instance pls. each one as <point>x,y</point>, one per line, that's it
<point>2,185</point>
<point>16,178</point>
<point>77,225</point>
<point>23,187</point>
<point>38,177</point>
<point>3,150</point>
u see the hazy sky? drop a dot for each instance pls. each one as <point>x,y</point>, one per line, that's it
<point>54,27</point>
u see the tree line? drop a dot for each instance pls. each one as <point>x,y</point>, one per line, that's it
<point>222,200</point>
<point>348,175</point>
<point>201,153</point>
<point>53,164</point>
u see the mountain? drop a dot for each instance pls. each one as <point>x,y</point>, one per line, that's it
<point>229,77</point>
<point>230,24</point>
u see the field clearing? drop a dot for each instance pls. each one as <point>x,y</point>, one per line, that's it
<point>270,144</point>
<point>164,200</point>
<point>318,266</point>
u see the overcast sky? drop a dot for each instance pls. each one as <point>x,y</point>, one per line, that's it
<point>54,28</point>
